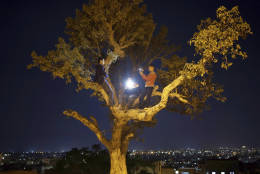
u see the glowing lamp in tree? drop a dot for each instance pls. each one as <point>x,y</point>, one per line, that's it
<point>130,84</point>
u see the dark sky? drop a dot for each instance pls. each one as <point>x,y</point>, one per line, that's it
<point>31,102</point>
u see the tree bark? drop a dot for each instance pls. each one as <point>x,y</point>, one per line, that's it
<point>118,148</point>
<point>117,162</point>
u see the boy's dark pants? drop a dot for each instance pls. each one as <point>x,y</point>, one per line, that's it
<point>148,93</point>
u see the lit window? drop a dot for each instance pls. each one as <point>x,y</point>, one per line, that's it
<point>213,172</point>
<point>222,172</point>
<point>232,172</point>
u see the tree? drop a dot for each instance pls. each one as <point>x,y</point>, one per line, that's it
<point>89,161</point>
<point>126,32</point>
<point>79,161</point>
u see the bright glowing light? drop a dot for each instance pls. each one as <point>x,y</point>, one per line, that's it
<point>130,84</point>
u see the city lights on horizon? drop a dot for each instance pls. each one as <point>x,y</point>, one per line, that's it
<point>177,159</point>
<point>168,150</point>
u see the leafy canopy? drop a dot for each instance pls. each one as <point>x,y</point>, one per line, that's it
<point>123,29</point>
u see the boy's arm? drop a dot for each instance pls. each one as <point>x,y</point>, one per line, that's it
<point>143,76</point>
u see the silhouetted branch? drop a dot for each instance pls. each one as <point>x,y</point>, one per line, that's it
<point>91,124</point>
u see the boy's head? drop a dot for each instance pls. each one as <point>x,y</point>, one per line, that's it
<point>151,68</point>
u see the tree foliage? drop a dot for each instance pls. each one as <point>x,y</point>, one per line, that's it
<point>217,40</point>
<point>197,90</point>
<point>83,160</point>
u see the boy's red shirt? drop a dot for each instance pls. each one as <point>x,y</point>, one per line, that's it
<point>149,79</point>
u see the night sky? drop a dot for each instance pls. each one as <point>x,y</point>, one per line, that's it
<point>31,101</point>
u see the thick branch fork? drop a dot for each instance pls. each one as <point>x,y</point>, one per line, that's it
<point>147,114</point>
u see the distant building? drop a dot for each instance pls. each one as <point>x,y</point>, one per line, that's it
<point>188,171</point>
<point>163,170</point>
<point>1,160</point>
<point>167,171</point>
<point>46,161</point>
<point>29,162</point>
<point>220,167</point>
<point>248,168</point>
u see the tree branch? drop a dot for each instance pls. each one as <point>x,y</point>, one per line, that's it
<point>115,98</point>
<point>117,48</point>
<point>98,88</point>
<point>128,44</point>
<point>91,124</point>
<point>125,142</point>
<point>165,95</point>
<point>172,95</point>
<point>147,114</point>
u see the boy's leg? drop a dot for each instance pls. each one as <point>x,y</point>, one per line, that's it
<point>149,91</point>
<point>141,99</point>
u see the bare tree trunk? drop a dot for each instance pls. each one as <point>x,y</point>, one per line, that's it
<point>118,162</point>
<point>118,149</point>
